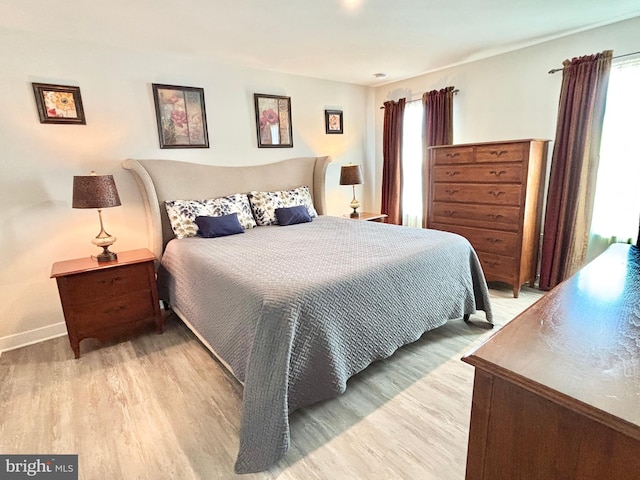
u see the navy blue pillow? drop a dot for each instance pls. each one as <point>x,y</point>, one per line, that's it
<point>212,227</point>
<point>293,215</point>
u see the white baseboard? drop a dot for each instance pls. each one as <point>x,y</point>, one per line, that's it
<point>37,335</point>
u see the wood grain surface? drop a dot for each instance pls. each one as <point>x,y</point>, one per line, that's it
<point>564,376</point>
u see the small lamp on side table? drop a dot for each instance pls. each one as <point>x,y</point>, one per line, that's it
<point>97,191</point>
<point>352,175</point>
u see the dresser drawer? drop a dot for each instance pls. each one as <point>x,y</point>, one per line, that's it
<point>486,216</point>
<point>483,240</point>
<point>501,152</point>
<point>478,173</point>
<point>101,284</point>
<point>497,194</point>
<point>443,156</point>
<point>112,312</point>
<point>498,267</point>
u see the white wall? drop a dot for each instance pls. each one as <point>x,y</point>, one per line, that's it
<point>509,96</point>
<point>38,161</point>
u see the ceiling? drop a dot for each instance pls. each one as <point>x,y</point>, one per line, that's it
<point>341,40</point>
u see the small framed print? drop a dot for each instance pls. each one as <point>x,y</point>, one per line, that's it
<point>273,121</point>
<point>333,121</point>
<point>181,116</point>
<point>59,104</point>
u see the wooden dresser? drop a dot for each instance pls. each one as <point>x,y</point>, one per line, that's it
<point>491,193</point>
<point>557,391</point>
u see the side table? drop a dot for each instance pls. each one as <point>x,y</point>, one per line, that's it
<point>108,300</point>
<point>371,217</point>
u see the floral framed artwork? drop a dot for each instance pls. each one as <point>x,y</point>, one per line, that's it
<point>59,104</point>
<point>333,121</point>
<point>273,121</point>
<point>181,116</point>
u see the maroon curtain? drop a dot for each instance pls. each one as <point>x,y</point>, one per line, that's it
<point>574,167</point>
<point>392,161</point>
<point>438,130</point>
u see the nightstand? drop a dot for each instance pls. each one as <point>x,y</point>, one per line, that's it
<point>372,217</point>
<point>108,300</point>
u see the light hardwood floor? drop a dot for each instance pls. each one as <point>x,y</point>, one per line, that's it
<point>160,407</point>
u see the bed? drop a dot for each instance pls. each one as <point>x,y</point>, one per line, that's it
<point>294,311</point>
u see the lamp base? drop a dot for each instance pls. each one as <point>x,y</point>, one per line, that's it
<point>355,204</point>
<point>106,255</point>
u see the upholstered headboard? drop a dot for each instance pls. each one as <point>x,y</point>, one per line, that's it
<point>163,180</point>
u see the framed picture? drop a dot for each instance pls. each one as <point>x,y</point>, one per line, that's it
<point>273,121</point>
<point>333,121</point>
<point>59,104</point>
<point>181,116</point>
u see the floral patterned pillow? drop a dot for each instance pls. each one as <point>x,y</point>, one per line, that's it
<point>264,204</point>
<point>182,213</point>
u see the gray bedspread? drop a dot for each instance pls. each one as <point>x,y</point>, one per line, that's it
<point>296,311</point>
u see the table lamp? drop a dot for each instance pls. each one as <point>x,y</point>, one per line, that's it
<point>352,175</point>
<point>97,191</point>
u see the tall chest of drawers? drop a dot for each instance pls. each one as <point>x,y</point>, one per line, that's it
<point>491,193</point>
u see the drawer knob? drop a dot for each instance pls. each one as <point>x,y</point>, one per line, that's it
<point>452,155</point>
<point>495,216</point>
<point>497,173</point>
<point>497,194</point>
<point>451,192</point>
<point>498,153</point>
<point>493,241</point>
<point>115,310</point>
<point>453,174</point>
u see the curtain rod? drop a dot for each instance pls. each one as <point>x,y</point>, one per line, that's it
<point>554,70</point>
<point>455,92</point>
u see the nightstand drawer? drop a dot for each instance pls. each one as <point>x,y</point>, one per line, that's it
<point>111,312</point>
<point>101,284</point>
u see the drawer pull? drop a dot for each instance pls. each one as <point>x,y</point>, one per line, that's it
<point>495,216</point>
<point>115,310</point>
<point>492,240</point>
<point>498,153</point>
<point>111,281</point>
<point>451,192</point>
<point>453,174</point>
<point>449,213</point>
<point>497,173</point>
<point>492,264</point>
<point>497,194</point>
<point>452,155</point>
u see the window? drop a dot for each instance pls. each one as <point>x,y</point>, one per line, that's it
<point>617,198</point>
<point>412,165</point>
